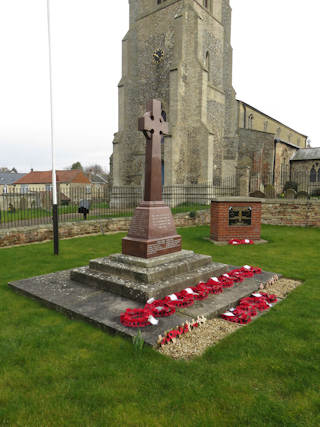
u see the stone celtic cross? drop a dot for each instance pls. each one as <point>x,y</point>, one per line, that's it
<point>153,125</point>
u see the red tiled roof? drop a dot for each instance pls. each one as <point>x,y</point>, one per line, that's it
<point>63,177</point>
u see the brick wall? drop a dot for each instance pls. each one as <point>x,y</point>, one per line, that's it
<point>299,213</point>
<point>220,230</point>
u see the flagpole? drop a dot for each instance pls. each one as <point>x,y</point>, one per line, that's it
<point>54,178</point>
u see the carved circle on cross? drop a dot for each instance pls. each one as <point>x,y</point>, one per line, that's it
<point>153,121</point>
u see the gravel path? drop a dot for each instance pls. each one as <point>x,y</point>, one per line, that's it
<point>196,342</point>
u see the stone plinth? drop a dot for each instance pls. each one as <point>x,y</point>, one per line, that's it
<point>235,218</point>
<point>103,309</point>
<point>152,232</point>
<point>140,279</point>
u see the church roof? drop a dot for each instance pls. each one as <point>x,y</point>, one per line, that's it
<point>307,154</point>
<point>272,118</point>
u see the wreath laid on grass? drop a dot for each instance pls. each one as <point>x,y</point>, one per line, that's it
<point>236,242</point>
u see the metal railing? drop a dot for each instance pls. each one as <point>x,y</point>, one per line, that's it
<point>34,207</point>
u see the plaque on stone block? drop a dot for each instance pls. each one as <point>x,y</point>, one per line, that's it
<point>240,216</point>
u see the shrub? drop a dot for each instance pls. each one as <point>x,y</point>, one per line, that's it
<point>290,185</point>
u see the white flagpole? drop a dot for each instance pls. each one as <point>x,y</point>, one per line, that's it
<point>54,178</point>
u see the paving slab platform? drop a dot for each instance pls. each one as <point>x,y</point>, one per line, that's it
<point>103,309</point>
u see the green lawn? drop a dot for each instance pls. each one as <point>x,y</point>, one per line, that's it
<point>60,372</point>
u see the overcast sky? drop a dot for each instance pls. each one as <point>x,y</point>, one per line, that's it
<point>276,69</point>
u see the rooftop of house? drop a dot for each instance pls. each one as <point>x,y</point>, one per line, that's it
<point>307,154</point>
<point>75,176</point>
<point>97,179</point>
<point>9,178</point>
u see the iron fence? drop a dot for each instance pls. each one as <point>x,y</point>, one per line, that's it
<point>34,207</point>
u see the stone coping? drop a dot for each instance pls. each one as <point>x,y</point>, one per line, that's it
<point>290,201</point>
<point>237,199</point>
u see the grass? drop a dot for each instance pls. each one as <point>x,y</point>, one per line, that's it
<point>60,372</point>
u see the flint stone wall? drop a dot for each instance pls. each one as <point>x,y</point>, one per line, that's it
<point>302,213</point>
<point>41,233</point>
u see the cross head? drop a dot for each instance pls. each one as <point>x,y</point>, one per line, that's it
<point>153,125</point>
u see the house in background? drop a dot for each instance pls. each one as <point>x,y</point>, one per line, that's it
<point>99,185</point>
<point>7,181</point>
<point>72,184</point>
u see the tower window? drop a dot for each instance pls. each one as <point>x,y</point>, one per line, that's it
<point>207,4</point>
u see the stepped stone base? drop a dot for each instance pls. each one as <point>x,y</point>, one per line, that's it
<point>140,279</point>
<point>103,309</point>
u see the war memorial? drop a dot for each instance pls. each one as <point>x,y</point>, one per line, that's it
<point>152,277</point>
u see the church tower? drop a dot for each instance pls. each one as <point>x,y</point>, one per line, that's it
<point>177,51</point>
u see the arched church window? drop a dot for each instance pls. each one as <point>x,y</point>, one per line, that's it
<point>278,131</point>
<point>265,125</point>
<point>250,121</point>
<point>289,137</point>
<point>319,175</point>
<point>313,175</point>
<point>206,3</point>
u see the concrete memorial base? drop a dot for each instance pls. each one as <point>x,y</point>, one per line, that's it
<point>140,279</point>
<point>92,303</point>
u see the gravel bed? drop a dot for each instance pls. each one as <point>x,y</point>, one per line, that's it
<point>196,342</point>
<point>282,287</point>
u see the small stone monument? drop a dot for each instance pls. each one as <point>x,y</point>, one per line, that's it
<point>152,231</point>
<point>290,194</point>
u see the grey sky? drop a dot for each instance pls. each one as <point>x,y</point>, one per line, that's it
<point>276,69</point>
